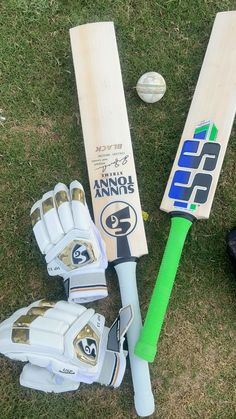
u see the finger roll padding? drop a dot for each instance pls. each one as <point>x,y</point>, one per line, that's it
<point>39,228</point>
<point>63,204</point>
<point>80,212</point>
<point>51,218</point>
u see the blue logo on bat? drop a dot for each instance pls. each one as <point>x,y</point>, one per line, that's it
<point>194,155</point>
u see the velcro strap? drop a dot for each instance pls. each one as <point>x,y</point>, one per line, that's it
<point>86,287</point>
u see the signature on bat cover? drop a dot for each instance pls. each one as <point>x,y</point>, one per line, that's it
<point>117,163</point>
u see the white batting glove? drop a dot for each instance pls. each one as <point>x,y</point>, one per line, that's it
<point>65,344</point>
<point>72,245</point>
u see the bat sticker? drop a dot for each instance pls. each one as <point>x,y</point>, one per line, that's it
<point>188,188</point>
<point>119,219</point>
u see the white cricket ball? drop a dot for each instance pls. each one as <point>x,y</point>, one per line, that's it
<point>151,87</point>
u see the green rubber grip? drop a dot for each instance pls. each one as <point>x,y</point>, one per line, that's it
<point>146,345</point>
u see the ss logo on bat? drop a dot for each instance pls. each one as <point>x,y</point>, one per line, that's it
<point>201,155</point>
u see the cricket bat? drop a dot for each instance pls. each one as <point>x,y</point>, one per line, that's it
<point>112,175</point>
<point>192,183</point>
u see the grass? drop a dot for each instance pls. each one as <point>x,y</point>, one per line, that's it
<point>193,374</point>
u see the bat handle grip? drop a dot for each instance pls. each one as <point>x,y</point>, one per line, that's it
<point>146,346</point>
<point>143,396</point>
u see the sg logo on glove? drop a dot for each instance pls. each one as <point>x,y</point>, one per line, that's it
<point>77,253</point>
<point>80,255</point>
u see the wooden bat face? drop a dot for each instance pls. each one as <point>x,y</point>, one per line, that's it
<point>195,173</point>
<point>109,154</point>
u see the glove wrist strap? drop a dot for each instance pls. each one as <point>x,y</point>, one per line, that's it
<point>86,287</point>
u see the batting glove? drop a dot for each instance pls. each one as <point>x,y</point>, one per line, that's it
<point>65,344</point>
<point>70,241</point>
